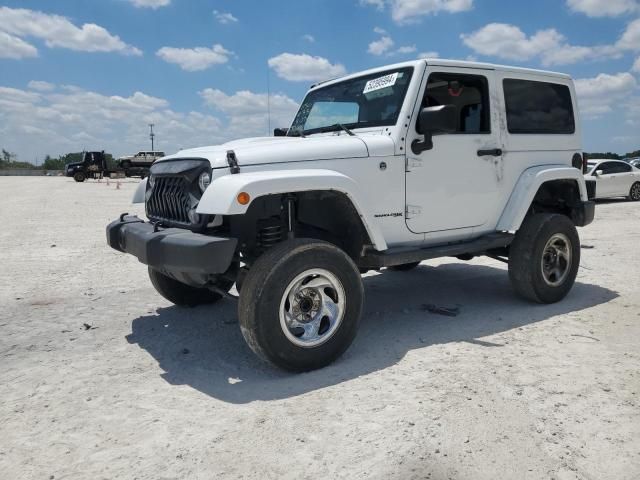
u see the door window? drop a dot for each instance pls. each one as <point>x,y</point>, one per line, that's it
<point>607,168</point>
<point>469,94</point>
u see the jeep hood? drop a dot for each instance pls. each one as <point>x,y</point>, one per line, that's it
<point>264,150</point>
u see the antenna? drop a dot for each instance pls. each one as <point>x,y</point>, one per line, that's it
<point>151,136</point>
<point>268,104</point>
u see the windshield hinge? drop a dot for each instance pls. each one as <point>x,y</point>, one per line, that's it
<point>232,161</point>
<point>412,211</point>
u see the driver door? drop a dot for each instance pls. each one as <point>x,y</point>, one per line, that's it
<point>452,189</point>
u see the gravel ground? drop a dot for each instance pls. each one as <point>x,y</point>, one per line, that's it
<point>102,378</point>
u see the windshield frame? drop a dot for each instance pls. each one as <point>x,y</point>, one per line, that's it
<point>408,70</point>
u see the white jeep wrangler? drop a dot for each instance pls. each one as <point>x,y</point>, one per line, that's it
<point>383,168</point>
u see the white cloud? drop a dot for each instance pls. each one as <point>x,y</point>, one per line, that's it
<point>37,123</point>
<point>550,46</point>
<point>195,59</point>
<point>384,45</point>
<point>246,102</point>
<point>380,46</point>
<point>224,18</point>
<point>41,86</point>
<point>309,38</point>
<point>16,48</point>
<point>305,67</point>
<point>431,54</point>
<point>247,111</point>
<point>636,65</point>
<point>630,39</point>
<point>601,94</point>
<point>150,3</point>
<point>405,50</point>
<point>410,11</point>
<point>603,8</point>
<point>58,31</point>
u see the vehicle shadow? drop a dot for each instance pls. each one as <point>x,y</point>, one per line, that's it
<point>203,347</point>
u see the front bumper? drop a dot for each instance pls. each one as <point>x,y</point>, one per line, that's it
<point>173,250</point>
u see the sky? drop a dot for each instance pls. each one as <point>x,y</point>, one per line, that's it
<point>78,74</point>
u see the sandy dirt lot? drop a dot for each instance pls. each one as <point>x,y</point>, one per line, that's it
<point>101,378</point>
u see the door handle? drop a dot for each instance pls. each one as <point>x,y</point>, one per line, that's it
<point>494,152</point>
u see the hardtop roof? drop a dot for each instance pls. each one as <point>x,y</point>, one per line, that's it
<point>443,62</point>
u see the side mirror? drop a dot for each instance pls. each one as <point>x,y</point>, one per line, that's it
<point>432,120</point>
<point>280,132</point>
<point>598,173</point>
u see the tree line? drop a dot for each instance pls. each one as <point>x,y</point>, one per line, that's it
<point>9,160</point>
<point>613,156</point>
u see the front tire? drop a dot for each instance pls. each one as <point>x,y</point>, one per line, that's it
<point>301,304</point>
<point>79,177</point>
<point>544,258</point>
<point>634,192</point>
<point>180,293</point>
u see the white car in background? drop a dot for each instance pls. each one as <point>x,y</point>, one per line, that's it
<point>612,178</point>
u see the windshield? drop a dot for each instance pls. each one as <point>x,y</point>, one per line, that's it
<point>368,101</point>
<point>590,167</point>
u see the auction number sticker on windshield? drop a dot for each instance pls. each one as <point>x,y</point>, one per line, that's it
<point>380,83</point>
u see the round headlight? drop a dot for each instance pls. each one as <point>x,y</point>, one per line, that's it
<point>204,181</point>
<point>152,181</point>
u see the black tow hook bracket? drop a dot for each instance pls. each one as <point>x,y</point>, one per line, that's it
<point>233,162</point>
<point>123,215</point>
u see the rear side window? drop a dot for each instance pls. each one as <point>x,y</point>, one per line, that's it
<point>620,167</point>
<point>538,107</point>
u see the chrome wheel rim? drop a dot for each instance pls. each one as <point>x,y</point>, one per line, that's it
<point>556,260</point>
<point>312,308</point>
<point>635,191</point>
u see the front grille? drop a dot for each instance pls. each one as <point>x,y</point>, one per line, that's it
<point>175,193</point>
<point>170,200</point>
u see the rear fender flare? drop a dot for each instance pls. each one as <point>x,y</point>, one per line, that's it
<point>526,188</point>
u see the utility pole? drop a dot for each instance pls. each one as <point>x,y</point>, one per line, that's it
<point>151,135</point>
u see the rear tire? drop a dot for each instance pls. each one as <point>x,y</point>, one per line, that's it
<point>544,258</point>
<point>79,177</point>
<point>301,304</point>
<point>405,267</point>
<point>182,294</point>
<point>634,192</point>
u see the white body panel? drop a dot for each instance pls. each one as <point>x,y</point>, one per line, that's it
<point>447,199</point>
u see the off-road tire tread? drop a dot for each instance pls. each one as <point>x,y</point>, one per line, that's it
<point>525,256</point>
<point>261,286</point>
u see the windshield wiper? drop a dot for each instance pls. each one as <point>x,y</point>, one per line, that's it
<point>296,133</point>
<point>337,126</point>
